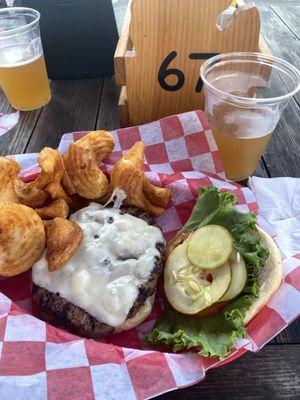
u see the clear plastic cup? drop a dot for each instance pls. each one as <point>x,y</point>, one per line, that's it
<point>23,75</point>
<point>245,95</point>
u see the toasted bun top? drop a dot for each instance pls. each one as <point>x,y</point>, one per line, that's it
<point>270,275</point>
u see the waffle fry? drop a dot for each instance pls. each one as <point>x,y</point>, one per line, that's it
<point>22,238</point>
<point>56,192</point>
<point>9,169</point>
<point>82,164</point>
<point>128,174</point>
<point>63,239</point>
<point>58,208</point>
<point>33,194</point>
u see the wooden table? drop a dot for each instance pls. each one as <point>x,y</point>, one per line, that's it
<point>89,104</point>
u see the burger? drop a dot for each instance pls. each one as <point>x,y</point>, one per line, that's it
<point>109,283</point>
<point>221,269</point>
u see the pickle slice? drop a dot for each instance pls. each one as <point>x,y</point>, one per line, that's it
<point>190,289</point>
<point>210,247</point>
<point>238,276</point>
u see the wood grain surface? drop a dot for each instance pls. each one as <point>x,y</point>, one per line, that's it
<point>273,373</point>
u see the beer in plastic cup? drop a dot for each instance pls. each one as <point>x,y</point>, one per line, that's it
<point>245,95</point>
<point>23,75</point>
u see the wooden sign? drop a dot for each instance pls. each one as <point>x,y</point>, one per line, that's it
<point>161,49</point>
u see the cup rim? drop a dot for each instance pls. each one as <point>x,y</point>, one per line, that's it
<point>262,56</point>
<point>20,29</point>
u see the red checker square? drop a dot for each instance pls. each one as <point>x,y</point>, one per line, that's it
<point>113,158</point>
<point>150,375</point>
<point>217,161</point>
<point>128,136</point>
<point>203,119</point>
<point>79,135</point>
<point>102,353</point>
<point>253,207</point>
<point>2,328</point>
<point>184,210</point>
<point>195,184</point>
<point>156,154</point>
<point>168,179</point>
<point>70,384</point>
<point>16,288</point>
<point>22,358</point>
<point>56,335</point>
<point>196,144</point>
<point>261,329</point>
<point>182,165</point>
<point>126,339</point>
<point>293,278</point>
<point>297,256</point>
<point>169,235</point>
<point>171,128</point>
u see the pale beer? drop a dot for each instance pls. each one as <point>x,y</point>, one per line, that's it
<point>25,81</point>
<point>23,75</point>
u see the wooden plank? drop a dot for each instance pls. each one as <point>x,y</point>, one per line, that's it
<point>282,156</point>
<point>108,118</point>
<point>16,140</point>
<point>178,34</point>
<point>290,16</point>
<point>123,108</point>
<point>123,45</point>
<point>278,35</point>
<point>73,107</point>
<point>290,335</point>
<point>273,373</point>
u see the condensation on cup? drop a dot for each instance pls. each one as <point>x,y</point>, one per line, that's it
<point>23,75</point>
<point>245,95</point>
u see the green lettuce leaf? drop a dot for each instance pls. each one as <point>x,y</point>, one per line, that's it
<point>215,335</point>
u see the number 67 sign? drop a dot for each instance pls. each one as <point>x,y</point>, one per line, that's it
<point>161,49</point>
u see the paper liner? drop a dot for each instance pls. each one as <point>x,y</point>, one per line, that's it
<point>42,362</point>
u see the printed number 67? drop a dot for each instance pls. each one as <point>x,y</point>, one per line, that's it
<point>164,71</point>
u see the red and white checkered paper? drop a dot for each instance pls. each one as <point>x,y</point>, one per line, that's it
<point>39,361</point>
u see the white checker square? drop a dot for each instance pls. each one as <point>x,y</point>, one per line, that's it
<point>131,354</point>
<point>5,304</point>
<point>242,208</point>
<point>289,265</point>
<point>25,328</point>
<point>221,184</point>
<point>162,168</point>
<point>190,123</point>
<point>1,346</point>
<point>210,140</point>
<point>203,162</point>
<point>66,355</point>
<point>176,149</point>
<point>181,192</point>
<point>193,174</point>
<point>286,302</point>
<point>112,381</point>
<point>116,139</point>
<point>151,133</point>
<point>249,195</point>
<point>169,220</point>
<point>26,387</point>
<point>186,368</point>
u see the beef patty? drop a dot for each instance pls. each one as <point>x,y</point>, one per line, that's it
<point>61,313</point>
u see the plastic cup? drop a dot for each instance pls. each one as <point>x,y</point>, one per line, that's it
<point>245,95</point>
<point>23,75</point>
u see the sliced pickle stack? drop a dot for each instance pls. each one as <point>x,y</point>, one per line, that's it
<point>204,270</point>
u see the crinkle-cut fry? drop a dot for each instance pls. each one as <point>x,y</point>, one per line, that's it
<point>29,195</point>
<point>9,169</point>
<point>52,168</point>
<point>22,238</point>
<point>56,191</point>
<point>58,208</point>
<point>128,174</point>
<point>63,239</point>
<point>82,164</point>
<point>156,195</point>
